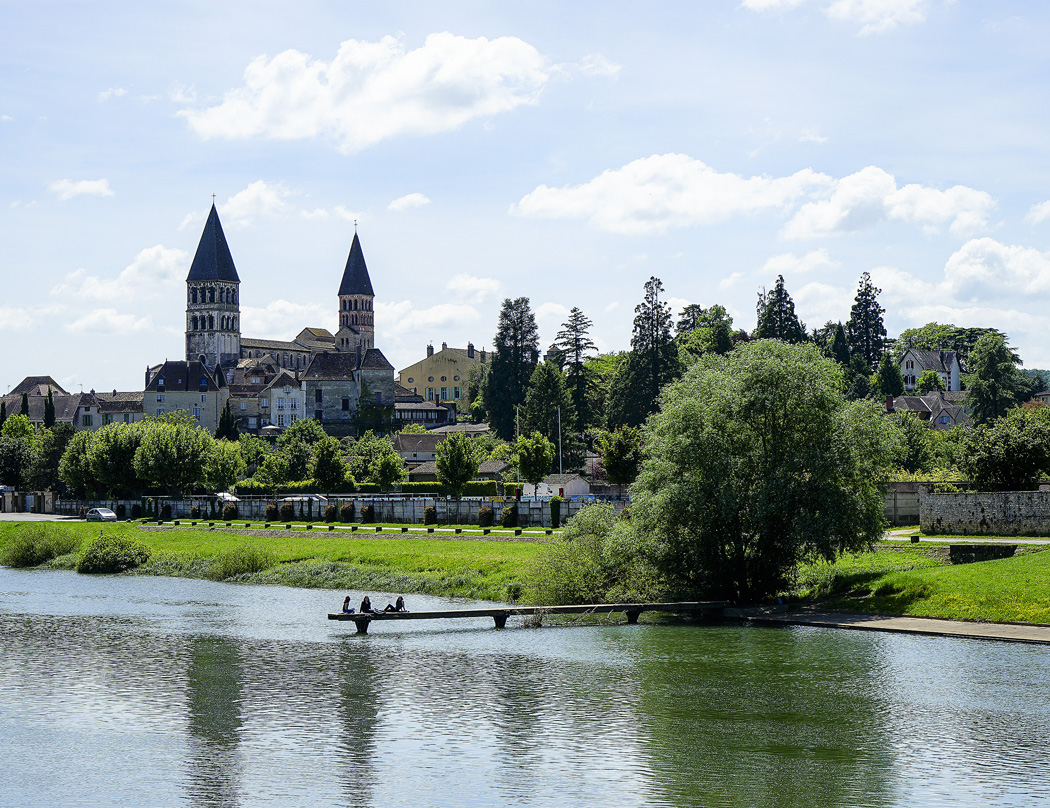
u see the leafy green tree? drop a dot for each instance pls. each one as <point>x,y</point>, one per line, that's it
<point>49,410</point>
<point>715,339</point>
<point>305,430</point>
<point>995,383</point>
<point>75,468</point>
<point>327,466</point>
<point>914,452</point>
<point>929,380</point>
<point>51,445</point>
<point>548,393</point>
<point>858,382</point>
<point>515,353</point>
<point>253,451</point>
<point>1008,454</point>
<point>600,371</point>
<point>621,453</point>
<point>297,454</point>
<point>930,337</point>
<point>173,455</point>
<point>477,381</point>
<point>888,380</point>
<point>458,460</point>
<point>865,329</point>
<point>413,429</point>
<point>112,457</point>
<point>651,339</point>
<point>839,346</point>
<point>533,456</point>
<point>18,426</point>
<point>574,343</point>
<point>273,471</point>
<point>755,463</point>
<point>227,427</point>
<point>225,465</point>
<point>387,470</point>
<point>16,458</point>
<point>776,316</point>
<point>363,452</point>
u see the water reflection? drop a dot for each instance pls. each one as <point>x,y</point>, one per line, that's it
<point>358,682</point>
<point>214,682</point>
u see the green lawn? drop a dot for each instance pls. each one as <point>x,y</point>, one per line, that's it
<point>477,568</point>
<point>918,580</point>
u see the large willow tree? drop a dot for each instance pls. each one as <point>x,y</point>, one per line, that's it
<point>755,463</point>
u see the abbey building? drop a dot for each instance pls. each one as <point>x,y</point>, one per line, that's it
<point>341,380</point>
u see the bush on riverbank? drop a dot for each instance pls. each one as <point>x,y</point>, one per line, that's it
<point>35,544</point>
<point>108,553</point>
<point>243,560</point>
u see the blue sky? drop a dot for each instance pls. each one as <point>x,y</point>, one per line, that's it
<point>559,151</point>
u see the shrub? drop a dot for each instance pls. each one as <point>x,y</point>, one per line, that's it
<point>195,512</point>
<point>229,512</point>
<point>555,511</point>
<point>271,512</point>
<point>509,517</point>
<point>331,513</point>
<point>430,515</point>
<point>111,553</point>
<point>368,513</point>
<point>485,516</point>
<point>347,512</point>
<point>122,512</point>
<point>243,560</point>
<point>35,544</point>
<point>625,514</point>
<point>136,511</point>
<point>287,512</point>
<point>165,512</point>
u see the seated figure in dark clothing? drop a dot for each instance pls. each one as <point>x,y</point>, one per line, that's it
<point>366,606</point>
<point>397,606</point>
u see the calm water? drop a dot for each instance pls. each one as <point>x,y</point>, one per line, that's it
<point>167,692</point>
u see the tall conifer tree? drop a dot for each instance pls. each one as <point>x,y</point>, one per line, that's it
<point>865,330</point>
<point>776,316</point>
<point>515,353</point>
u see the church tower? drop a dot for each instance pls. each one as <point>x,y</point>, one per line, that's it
<point>355,300</point>
<point>213,314</point>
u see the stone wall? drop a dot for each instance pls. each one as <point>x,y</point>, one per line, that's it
<point>1005,513</point>
<point>901,503</point>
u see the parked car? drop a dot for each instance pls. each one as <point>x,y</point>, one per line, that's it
<point>101,515</point>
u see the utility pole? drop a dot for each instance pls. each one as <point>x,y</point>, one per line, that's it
<point>559,440</point>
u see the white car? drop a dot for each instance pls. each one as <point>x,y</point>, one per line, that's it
<point>101,515</point>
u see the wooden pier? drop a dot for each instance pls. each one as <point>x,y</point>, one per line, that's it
<point>712,610</point>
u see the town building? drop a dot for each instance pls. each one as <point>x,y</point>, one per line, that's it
<point>85,411</point>
<point>944,363</point>
<point>442,376</point>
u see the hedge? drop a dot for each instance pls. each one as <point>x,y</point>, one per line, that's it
<point>474,488</point>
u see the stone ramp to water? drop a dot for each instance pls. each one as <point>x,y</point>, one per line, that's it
<point>1007,632</point>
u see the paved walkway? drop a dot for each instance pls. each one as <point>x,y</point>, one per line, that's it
<point>904,535</point>
<point>1007,632</point>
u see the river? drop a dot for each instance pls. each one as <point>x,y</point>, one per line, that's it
<point>141,691</point>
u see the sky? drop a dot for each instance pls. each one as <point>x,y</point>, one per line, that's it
<point>563,152</point>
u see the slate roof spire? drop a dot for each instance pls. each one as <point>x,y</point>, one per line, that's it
<point>212,261</point>
<point>355,276</point>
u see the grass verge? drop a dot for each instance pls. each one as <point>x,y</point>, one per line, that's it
<point>918,580</point>
<point>486,570</point>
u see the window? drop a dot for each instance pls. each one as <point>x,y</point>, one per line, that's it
<point>430,378</point>
<point>410,380</point>
<point>455,393</point>
<point>107,419</point>
<point>255,379</point>
<point>204,399</point>
<point>264,402</point>
<point>455,378</point>
<point>444,394</point>
<point>244,406</point>
<point>379,397</point>
<point>280,405</point>
<point>251,423</point>
<point>159,412</point>
<point>127,418</point>
<point>197,413</point>
<point>318,415</point>
<point>160,397</point>
<point>292,419</point>
<point>346,405</point>
<point>944,419</point>
<point>280,419</point>
<point>295,403</point>
<point>444,378</point>
<point>430,394</point>
<point>87,420</point>
<point>317,395</point>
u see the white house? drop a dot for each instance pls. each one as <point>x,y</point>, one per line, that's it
<point>944,363</point>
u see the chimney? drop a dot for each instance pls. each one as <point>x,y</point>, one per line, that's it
<point>889,403</point>
<point>430,350</point>
<point>444,346</point>
<point>482,354</point>
<point>470,350</point>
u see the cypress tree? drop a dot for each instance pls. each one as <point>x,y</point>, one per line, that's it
<point>840,346</point>
<point>574,342</point>
<point>49,410</point>
<point>865,329</point>
<point>515,353</point>
<point>3,412</point>
<point>25,405</point>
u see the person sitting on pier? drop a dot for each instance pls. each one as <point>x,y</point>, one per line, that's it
<point>397,606</point>
<point>347,608</point>
<point>366,606</point>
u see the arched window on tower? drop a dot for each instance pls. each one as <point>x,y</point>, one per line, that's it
<point>211,322</point>
<point>211,294</point>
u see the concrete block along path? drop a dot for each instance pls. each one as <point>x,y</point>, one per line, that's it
<point>1005,632</point>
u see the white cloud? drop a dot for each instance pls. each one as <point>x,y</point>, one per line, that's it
<point>873,16</point>
<point>112,92</point>
<point>987,269</point>
<point>789,263</point>
<point>372,91</point>
<point>259,199</point>
<point>472,289</point>
<point>1038,213</point>
<point>822,302</point>
<point>283,319</point>
<point>402,317</point>
<point>612,306</point>
<point>553,313</point>
<point>811,136</point>
<point>871,195</point>
<point>110,322</point>
<point>67,189</point>
<point>731,281</point>
<point>6,118</point>
<point>15,319</point>
<point>408,201</point>
<point>594,64</point>
<point>155,272</point>
<point>654,193</point>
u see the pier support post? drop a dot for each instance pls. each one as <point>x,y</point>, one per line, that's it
<point>362,626</point>
<point>632,616</point>
<point>500,620</point>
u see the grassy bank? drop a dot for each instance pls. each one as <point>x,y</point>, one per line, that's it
<point>919,580</point>
<point>490,570</point>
